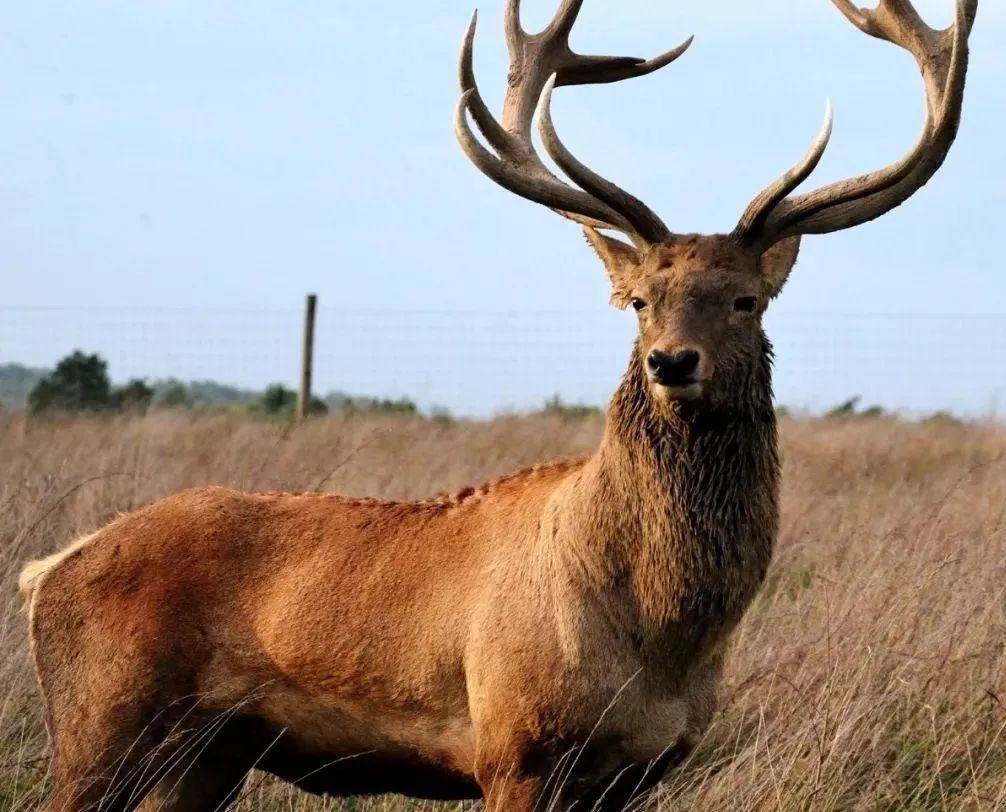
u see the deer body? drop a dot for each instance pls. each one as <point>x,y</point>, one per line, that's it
<point>424,648</point>
<point>551,640</point>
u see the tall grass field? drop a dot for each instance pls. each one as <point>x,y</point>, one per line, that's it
<point>868,675</point>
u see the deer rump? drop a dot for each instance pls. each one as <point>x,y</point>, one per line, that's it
<point>315,637</point>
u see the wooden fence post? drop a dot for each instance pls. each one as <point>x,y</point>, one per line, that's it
<point>307,359</point>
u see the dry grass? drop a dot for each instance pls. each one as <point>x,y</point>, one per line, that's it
<point>868,675</point>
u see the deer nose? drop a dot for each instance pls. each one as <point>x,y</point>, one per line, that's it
<point>673,369</point>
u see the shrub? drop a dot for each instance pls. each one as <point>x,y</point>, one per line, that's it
<point>174,396</point>
<point>279,402</point>
<point>339,401</point>
<point>79,383</point>
<point>850,408</point>
<point>135,396</point>
<point>555,405</point>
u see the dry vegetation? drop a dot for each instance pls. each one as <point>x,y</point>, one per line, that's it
<point>868,675</point>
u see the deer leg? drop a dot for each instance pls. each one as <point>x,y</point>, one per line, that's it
<point>516,794</point>
<point>173,772</point>
<point>630,782</point>
<point>92,772</point>
<point>513,781</point>
<point>211,783</point>
<point>109,752</point>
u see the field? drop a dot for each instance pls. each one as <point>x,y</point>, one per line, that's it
<point>869,674</point>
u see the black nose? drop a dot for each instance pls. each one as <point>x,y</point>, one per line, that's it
<point>673,369</point>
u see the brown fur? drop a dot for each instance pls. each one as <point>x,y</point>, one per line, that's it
<point>555,632</point>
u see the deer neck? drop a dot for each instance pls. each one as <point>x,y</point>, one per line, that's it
<point>679,506</point>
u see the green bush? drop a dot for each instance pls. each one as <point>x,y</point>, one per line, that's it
<point>942,419</point>
<point>279,402</point>
<point>341,402</point>
<point>555,405</point>
<point>277,399</point>
<point>850,408</point>
<point>79,383</point>
<point>135,396</point>
<point>174,396</point>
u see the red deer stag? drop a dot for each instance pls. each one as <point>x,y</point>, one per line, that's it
<point>551,640</point>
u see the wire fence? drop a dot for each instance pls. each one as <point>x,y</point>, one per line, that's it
<point>479,363</point>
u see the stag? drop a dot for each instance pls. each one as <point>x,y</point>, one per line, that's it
<point>552,639</point>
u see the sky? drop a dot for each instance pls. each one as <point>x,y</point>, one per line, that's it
<point>178,174</point>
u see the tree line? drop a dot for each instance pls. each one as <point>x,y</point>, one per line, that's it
<point>80,384</point>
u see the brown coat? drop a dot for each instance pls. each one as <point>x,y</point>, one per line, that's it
<point>567,618</point>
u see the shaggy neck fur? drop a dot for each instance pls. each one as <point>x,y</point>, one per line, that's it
<point>679,505</point>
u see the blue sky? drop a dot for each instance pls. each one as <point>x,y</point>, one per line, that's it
<point>189,157</point>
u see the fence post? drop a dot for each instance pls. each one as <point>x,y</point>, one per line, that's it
<point>307,359</point>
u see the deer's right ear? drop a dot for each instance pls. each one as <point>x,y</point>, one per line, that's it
<point>622,262</point>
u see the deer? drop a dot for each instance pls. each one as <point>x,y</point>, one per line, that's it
<point>553,639</point>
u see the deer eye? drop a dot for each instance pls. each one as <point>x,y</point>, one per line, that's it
<point>745,304</point>
<point>637,303</point>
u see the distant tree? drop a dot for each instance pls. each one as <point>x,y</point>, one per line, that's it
<point>79,383</point>
<point>846,408</point>
<point>199,394</point>
<point>850,408</point>
<point>400,405</point>
<point>174,396</point>
<point>211,393</point>
<point>135,396</point>
<point>441,414</point>
<point>365,404</point>
<point>942,419</point>
<point>278,401</point>
<point>555,405</point>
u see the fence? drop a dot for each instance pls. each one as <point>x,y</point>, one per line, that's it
<point>478,363</point>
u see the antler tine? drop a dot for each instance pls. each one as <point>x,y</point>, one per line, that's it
<point>564,19</point>
<point>598,70</point>
<point>897,22</point>
<point>883,21</point>
<point>484,119</point>
<point>536,186</point>
<point>642,218</point>
<point>753,219</point>
<point>581,68</point>
<point>512,29</point>
<point>516,167</point>
<point>534,59</point>
<point>942,57</point>
<point>855,15</point>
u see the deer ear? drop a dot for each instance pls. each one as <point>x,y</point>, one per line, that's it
<point>777,262</point>
<point>621,261</point>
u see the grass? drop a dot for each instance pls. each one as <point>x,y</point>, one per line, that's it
<point>869,674</point>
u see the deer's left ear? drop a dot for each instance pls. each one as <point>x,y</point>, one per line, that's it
<point>777,262</point>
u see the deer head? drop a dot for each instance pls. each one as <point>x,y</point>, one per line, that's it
<point>700,298</point>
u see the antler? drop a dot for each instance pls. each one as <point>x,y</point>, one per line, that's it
<point>942,57</point>
<point>538,62</point>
